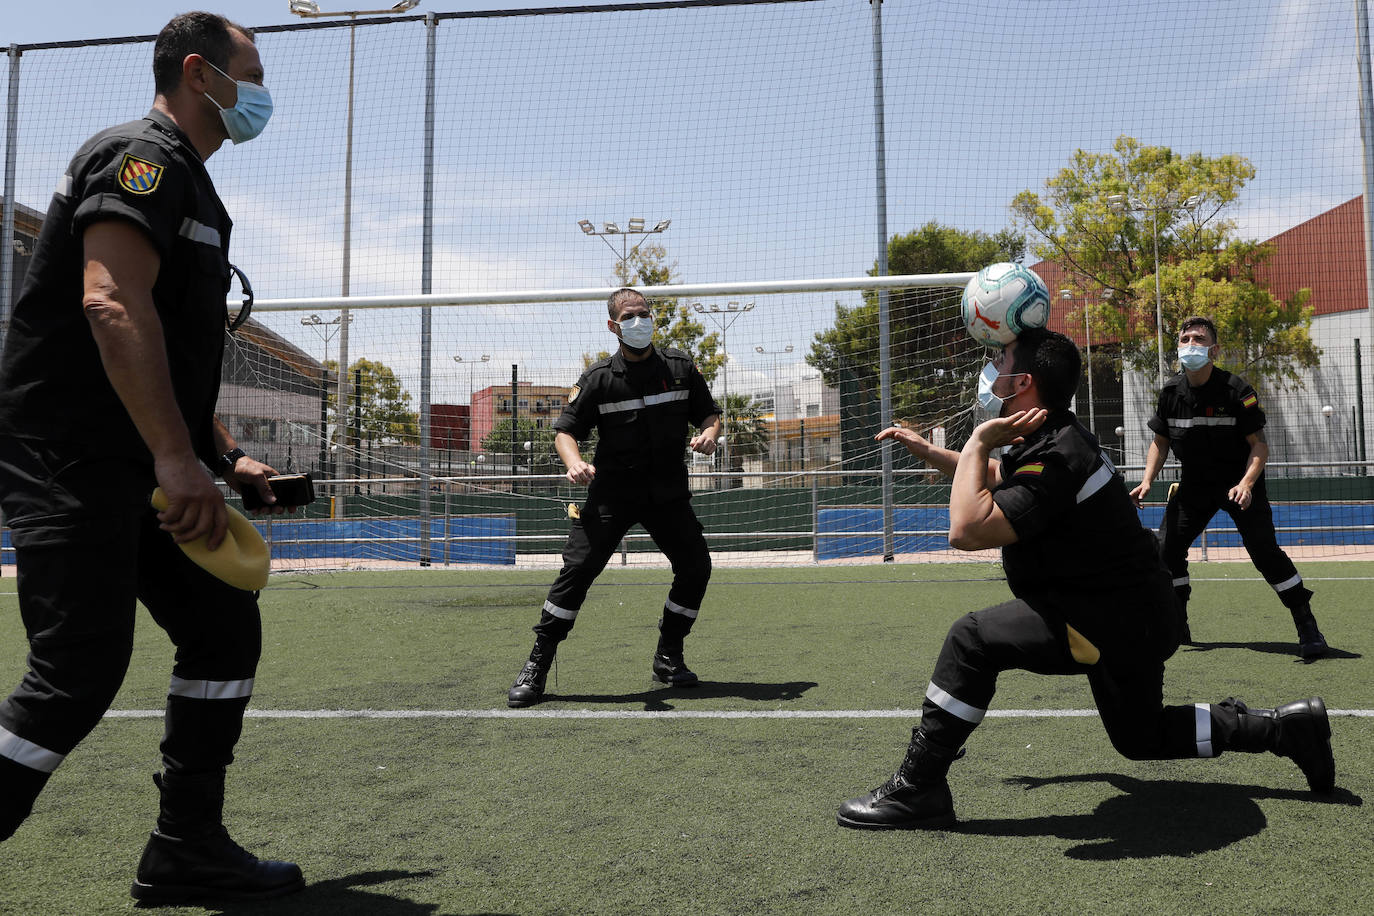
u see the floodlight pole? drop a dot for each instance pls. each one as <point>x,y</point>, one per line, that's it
<point>636,227</point>
<point>776,413</point>
<point>884,318</point>
<point>734,310</point>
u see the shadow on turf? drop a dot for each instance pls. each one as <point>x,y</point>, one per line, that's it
<point>1152,818</point>
<point>655,699</point>
<point>344,897</point>
<point>1272,648</point>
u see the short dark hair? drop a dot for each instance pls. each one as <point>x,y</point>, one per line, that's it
<point>1197,321</point>
<point>620,298</point>
<point>206,34</point>
<point>1053,361</point>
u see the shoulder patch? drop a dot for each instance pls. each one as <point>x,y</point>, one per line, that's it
<point>1250,400</point>
<point>572,395</point>
<point>1032,470</point>
<point>139,176</point>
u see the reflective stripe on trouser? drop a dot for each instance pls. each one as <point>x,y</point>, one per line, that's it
<point>594,538</point>
<point>1128,690</point>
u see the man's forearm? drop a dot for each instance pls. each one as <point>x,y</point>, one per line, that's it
<point>567,449</point>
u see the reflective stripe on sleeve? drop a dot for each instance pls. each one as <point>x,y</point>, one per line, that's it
<point>1202,717</point>
<point>210,690</point>
<point>64,186</point>
<point>561,613</point>
<point>26,753</point>
<point>197,231</point>
<point>1099,479</point>
<point>954,706</point>
<point>1181,580</point>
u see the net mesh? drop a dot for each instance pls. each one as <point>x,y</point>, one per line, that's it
<point>749,129</point>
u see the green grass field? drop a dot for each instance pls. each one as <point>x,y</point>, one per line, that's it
<point>664,812</point>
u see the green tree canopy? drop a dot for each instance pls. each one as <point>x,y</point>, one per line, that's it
<point>542,457</point>
<point>746,431</point>
<point>1180,203</point>
<point>384,406</point>
<point>930,348</point>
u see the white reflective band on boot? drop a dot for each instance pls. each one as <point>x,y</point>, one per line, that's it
<point>676,608</point>
<point>26,753</point>
<point>1202,714</point>
<point>561,613</point>
<point>954,706</point>
<point>210,690</point>
<point>1180,581</point>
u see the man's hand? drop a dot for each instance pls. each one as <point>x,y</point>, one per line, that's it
<point>1240,495</point>
<point>915,443</point>
<point>1010,430</point>
<point>580,472</point>
<point>1141,491</point>
<point>247,473</point>
<point>195,507</point>
<point>703,442</point>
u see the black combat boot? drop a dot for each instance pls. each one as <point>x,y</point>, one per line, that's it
<point>668,665</point>
<point>917,796</point>
<point>190,855</point>
<point>1299,731</point>
<point>22,785</point>
<point>1311,642</point>
<point>529,683</point>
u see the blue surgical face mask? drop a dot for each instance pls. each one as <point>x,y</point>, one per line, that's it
<point>637,332</point>
<point>986,399</point>
<point>1193,356</point>
<point>250,113</point>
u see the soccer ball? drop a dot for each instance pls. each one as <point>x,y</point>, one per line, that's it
<point>1003,300</point>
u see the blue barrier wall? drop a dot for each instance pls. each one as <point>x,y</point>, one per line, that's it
<point>857,531</point>
<point>356,539</point>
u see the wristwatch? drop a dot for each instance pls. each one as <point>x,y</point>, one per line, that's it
<point>228,460</point>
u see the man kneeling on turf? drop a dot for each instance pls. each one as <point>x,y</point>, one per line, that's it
<point>1091,598</point>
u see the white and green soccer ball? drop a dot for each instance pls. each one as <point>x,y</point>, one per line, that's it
<point>1001,301</point>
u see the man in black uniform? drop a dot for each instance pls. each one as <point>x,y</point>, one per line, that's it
<point>108,385</point>
<point>640,401</point>
<point>1213,422</point>
<point>1091,598</point>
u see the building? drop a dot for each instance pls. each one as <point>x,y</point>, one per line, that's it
<point>450,427</point>
<point>491,405</point>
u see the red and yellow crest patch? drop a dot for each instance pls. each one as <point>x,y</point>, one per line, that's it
<point>139,176</point>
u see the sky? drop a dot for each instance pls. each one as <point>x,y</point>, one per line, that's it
<point>751,129</point>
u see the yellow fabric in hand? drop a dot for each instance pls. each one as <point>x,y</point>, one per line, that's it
<point>242,558</point>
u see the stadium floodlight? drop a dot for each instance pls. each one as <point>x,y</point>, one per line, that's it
<point>635,226</point>
<point>1122,203</point>
<point>310,9</point>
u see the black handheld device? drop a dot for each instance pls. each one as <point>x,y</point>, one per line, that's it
<point>291,490</point>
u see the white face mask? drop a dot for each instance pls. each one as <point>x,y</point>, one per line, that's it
<point>986,399</point>
<point>1193,356</point>
<point>637,332</point>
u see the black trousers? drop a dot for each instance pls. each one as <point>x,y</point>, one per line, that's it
<point>607,516</point>
<point>1127,683</point>
<point>87,547</point>
<point>1192,508</point>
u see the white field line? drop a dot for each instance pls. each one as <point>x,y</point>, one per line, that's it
<point>642,713</point>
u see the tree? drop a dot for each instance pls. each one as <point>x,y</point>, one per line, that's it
<point>1204,268</point>
<point>746,433</point>
<point>928,349</point>
<point>674,325</point>
<point>541,458</point>
<point>383,405</point>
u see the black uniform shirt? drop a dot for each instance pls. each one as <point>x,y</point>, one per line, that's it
<point>1080,544</point>
<point>53,385</point>
<point>1206,426</point>
<point>641,411</point>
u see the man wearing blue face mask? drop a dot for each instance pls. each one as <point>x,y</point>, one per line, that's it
<point>641,402</point>
<point>108,384</point>
<point>1213,422</point>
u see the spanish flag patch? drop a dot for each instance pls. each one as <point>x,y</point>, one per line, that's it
<point>1034,470</point>
<point>1251,400</point>
<point>139,176</point>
